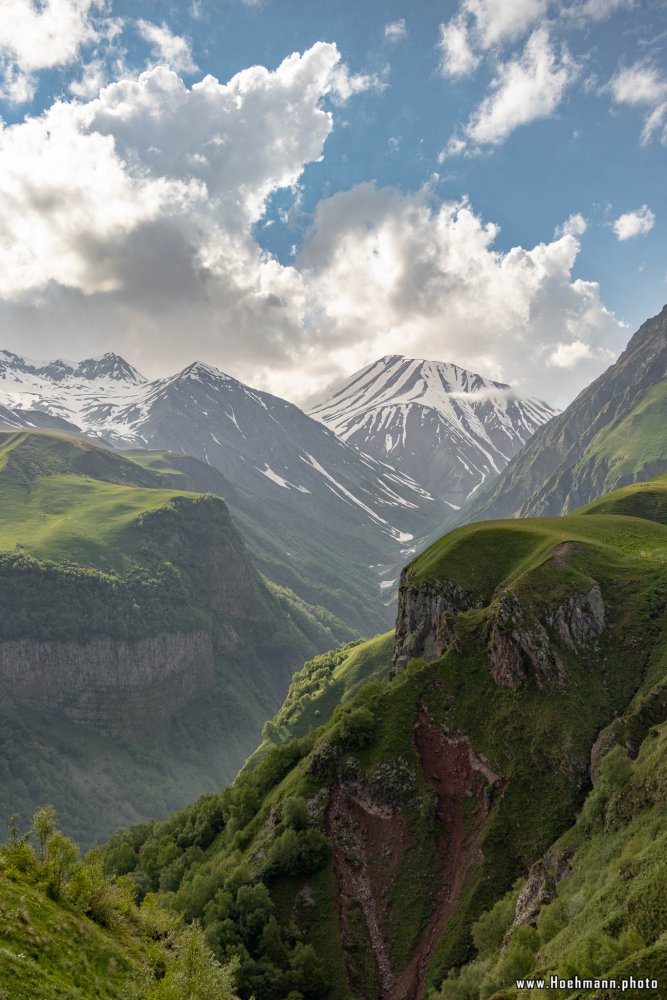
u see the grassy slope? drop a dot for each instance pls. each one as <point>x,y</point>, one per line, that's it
<point>63,499</point>
<point>47,950</point>
<point>636,441</point>
<point>88,540</point>
<point>539,740</point>
<point>322,684</point>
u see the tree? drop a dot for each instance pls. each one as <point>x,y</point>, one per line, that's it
<point>194,974</point>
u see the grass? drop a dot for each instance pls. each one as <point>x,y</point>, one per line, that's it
<point>53,508</point>
<point>636,441</point>
<point>323,684</point>
<point>49,951</point>
<point>646,500</point>
<point>481,557</point>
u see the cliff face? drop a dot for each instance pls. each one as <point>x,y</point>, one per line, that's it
<point>116,687</point>
<point>137,654</point>
<point>425,617</point>
<point>522,645</point>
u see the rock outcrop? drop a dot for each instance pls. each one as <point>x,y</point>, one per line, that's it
<point>424,623</point>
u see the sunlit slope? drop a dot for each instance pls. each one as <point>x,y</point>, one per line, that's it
<point>323,684</point>
<point>62,499</point>
<point>386,834</point>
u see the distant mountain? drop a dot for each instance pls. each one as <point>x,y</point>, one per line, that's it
<point>330,523</point>
<point>613,434</point>
<point>446,427</point>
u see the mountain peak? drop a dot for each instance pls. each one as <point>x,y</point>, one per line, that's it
<point>446,427</point>
<point>201,369</point>
<point>108,365</point>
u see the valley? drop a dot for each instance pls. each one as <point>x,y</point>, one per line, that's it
<point>421,813</point>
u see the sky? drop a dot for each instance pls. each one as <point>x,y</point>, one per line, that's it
<point>290,190</point>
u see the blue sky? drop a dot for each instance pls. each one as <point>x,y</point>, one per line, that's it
<point>461,138</point>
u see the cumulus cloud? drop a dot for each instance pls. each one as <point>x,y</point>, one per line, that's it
<point>574,225</point>
<point>642,85</point>
<point>168,49</point>
<point>397,273</point>
<point>636,223</point>
<point>524,90</point>
<point>126,223</point>
<point>40,36</point>
<point>568,355</point>
<point>395,30</point>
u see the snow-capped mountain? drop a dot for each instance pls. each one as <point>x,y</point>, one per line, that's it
<point>310,495</point>
<point>69,390</point>
<point>448,428</point>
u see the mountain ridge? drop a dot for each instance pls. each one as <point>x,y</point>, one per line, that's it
<point>571,461</point>
<point>449,428</point>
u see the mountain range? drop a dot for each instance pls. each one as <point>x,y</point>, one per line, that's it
<point>331,519</point>
<point>468,801</point>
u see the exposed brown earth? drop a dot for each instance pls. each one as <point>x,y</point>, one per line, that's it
<point>370,840</point>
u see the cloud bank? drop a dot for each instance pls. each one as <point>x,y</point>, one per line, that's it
<point>127,220</point>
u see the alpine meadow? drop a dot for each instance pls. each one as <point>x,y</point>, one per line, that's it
<point>333,500</point>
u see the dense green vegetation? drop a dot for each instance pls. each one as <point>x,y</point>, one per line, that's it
<point>604,908</point>
<point>322,684</point>
<point>70,932</point>
<point>373,782</point>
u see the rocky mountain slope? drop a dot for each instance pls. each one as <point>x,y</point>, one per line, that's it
<point>315,507</point>
<point>530,661</point>
<point>446,427</point>
<point>612,434</point>
<point>140,650</point>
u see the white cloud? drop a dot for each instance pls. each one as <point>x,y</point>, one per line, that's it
<point>168,49</point>
<point>93,78</point>
<point>504,20</point>
<point>524,90</point>
<point>40,36</point>
<point>593,10</point>
<point>395,30</point>
<point>458,57</point>
<point>568,355</point>
<point>643,85</point>
<point>482,26</point>
<point>636,223</point>
<point>392,272</point>
<point>127,223</point>
<point>574,225</point>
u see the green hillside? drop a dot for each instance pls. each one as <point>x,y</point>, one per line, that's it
<point>140,651</point>
<point>64,499</point>
<point>389,838</point>
<point>322,684</point>
<point>635,442</point>
<point>611,435</point>
<point>68,932</point>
